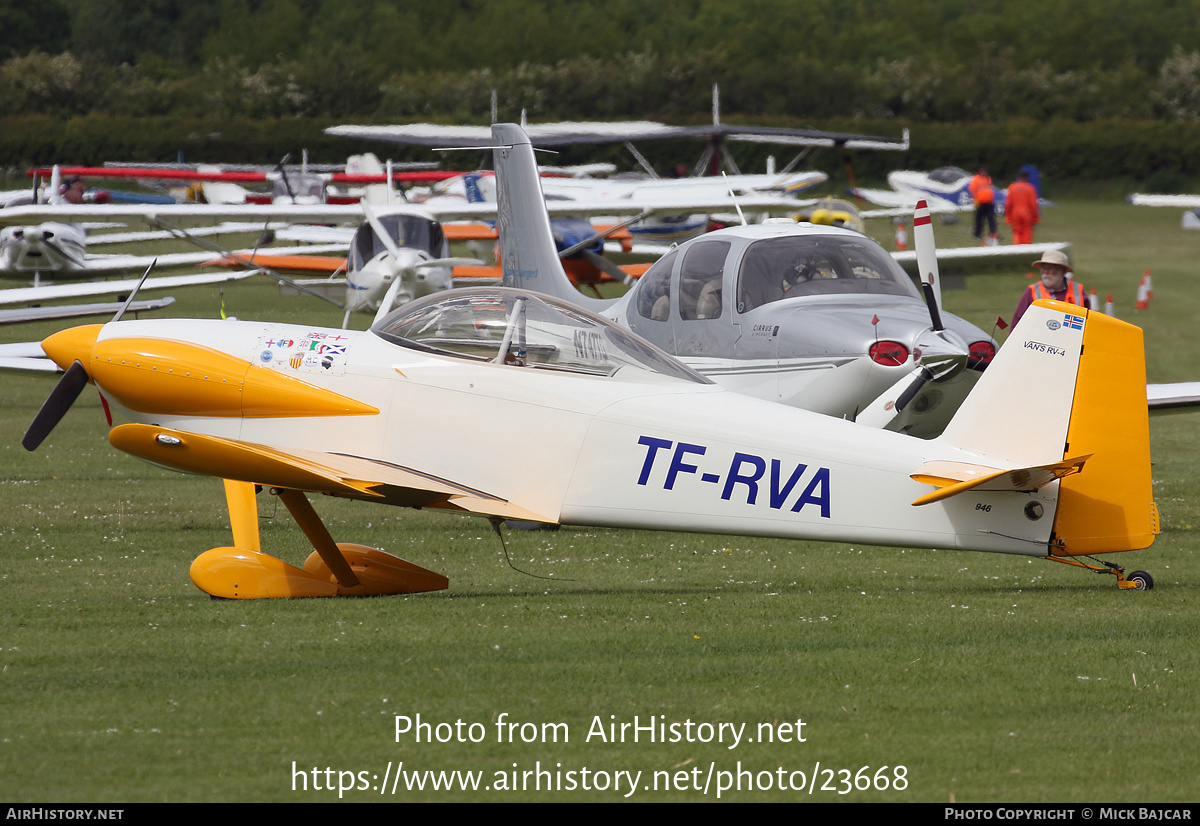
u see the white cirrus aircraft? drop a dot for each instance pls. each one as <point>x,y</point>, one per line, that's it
<point>814,316</point>
<point>602,428</point>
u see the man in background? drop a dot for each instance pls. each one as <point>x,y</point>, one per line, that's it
<point>1056,282</point>
<point>984,195</point>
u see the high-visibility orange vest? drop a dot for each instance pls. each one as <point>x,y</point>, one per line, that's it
<point>981,189</point>
<point>1074,293</point>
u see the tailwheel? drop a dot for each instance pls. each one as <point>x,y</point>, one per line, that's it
<point>1141,581</point>
<point>1137,581</point>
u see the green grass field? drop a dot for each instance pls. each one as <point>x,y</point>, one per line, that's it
<point>988,678</point>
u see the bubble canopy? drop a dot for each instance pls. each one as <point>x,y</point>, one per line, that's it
<point>523,329</point>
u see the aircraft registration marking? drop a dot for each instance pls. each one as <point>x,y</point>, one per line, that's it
<point>589,346</point>
<point>745,473</point>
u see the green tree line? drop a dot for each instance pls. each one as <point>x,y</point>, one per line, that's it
<point>942,60</point>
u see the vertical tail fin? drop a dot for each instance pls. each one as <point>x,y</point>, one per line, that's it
<point>1071,383</point>
<point>528,256</point>
<point>54,193</point>
<point>1110,505</point>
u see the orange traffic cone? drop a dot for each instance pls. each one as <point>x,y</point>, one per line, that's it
<point>1142,302</point>
<point>901,236</point>
<point>1149,285</point>
<point>1093,300</point>
<point>1108,305</point>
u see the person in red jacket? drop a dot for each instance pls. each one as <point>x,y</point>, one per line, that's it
<point>1021,209</point>
<point>984,195</point>
<point>1055,283</point>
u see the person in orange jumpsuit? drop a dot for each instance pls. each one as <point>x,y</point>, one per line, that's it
<point>1021,209</point>
<point>984,195</point>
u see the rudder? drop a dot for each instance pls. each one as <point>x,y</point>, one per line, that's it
<point>528,256</point>
<point>1109,506</point>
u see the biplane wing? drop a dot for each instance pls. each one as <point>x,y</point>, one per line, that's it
<point>571,133</point>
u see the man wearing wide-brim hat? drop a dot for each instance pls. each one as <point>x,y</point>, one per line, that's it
<point>1056,282</point>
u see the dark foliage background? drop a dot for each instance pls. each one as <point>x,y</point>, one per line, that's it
<point>1052,76</point>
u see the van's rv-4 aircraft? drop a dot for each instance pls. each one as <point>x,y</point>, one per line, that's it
<point>603,429</point>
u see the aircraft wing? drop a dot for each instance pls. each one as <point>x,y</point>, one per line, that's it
<point>190,215</point>
<point>287,263</point>
<point>470,275</point>
<point>1173,398</point>
<point>337,474</point>
<point>180,215</point>
<point>672,205</point>
<point>900,205</point>
<point>808,137</point>
<point>474,231</point>
<point>240,176</point>
<point>658,250</point>
<point>963,259</point>
<point>101,265</point>
<point>98,239</point>
<point>26,295</point>
<point>27,356</point>
<point>1183,201</point>
<point>315,234</point>
<point>77,310</point>
<point>573,133</point>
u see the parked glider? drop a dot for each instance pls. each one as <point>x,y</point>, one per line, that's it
<point>945,189</point>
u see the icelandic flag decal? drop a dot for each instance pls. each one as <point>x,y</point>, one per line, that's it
<point>1074,322</point>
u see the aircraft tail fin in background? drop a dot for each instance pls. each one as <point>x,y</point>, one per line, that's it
<point>54,193</point>
<point>1069,386</point>
<point>528,255</point>
<point>471,185</point>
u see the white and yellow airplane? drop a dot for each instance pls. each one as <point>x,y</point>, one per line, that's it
<point>602,428</point>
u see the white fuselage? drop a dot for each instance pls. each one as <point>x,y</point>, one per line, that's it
<point>635,449</point>
<point>45,248</point>
<point>367,287</point>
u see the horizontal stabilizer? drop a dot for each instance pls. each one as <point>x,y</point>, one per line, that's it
<point>952,478</point>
